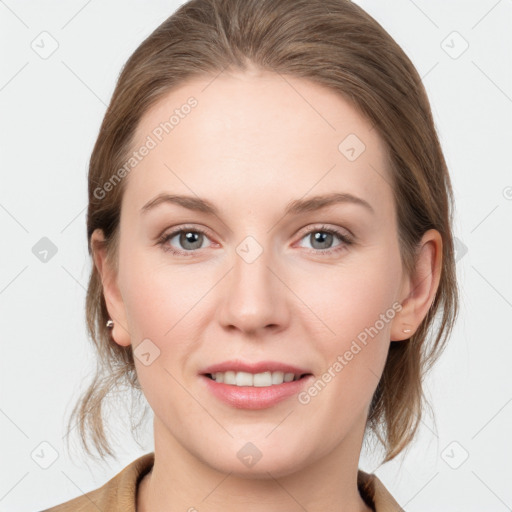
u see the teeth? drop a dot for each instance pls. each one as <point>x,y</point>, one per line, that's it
<point>278,377</point>
<point>243,379</point>
<point>264,379</point>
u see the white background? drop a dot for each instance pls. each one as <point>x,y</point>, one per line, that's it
<point>51,110</point>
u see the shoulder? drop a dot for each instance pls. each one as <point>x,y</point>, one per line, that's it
<point>118,494</point>
<point>375,494</point>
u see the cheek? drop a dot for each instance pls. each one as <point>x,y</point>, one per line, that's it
<point>169,306</point>
<point>351,298</point>
<point>159,304</point>
<point>159,299</point>
<point>355,305</point>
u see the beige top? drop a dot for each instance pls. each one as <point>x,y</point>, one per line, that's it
<point>119,494</point>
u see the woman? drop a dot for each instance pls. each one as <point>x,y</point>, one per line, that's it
<point>270,223</point>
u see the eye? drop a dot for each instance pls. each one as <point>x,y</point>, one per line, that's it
<point>322,238</point>
<point>191,239</point>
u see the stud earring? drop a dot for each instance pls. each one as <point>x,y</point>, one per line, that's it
<point>110,323</point>
<point>406,330</point>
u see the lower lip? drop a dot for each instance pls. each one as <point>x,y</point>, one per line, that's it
<point>250,397</point>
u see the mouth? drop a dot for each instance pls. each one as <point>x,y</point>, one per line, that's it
<point>260,385</point>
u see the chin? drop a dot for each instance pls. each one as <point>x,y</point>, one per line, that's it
<point>274,465</point>
<point>256,459</point>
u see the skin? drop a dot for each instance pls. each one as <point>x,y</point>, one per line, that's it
<point>254,143</point>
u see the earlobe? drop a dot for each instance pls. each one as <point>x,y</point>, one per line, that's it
<point>421,287</point>
<point>401,331</point>
<point>113,298</point>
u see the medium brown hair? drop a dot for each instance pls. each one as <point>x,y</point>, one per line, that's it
<point>335,44</point>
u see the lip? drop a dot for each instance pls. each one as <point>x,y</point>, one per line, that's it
<point>250,397</point>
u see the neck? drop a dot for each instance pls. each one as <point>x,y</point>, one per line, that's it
<point>181,481</point>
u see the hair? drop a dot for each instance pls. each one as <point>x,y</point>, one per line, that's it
<point>333,43</point>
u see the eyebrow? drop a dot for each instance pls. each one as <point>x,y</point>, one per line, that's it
<point>297,206</point>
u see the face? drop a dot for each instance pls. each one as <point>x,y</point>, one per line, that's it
<point>265,274</point>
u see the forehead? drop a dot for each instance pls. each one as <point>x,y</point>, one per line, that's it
<point>257,136</point>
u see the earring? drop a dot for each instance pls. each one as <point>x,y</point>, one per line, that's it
<point>110,323</point>
<point>406,330</point>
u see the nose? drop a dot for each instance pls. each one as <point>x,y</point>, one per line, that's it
<point>254,296</point>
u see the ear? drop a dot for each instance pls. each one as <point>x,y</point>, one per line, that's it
<point>419,290</point>
<point>113,298</point>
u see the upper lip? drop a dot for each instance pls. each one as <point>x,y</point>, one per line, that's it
<point>256,367</point>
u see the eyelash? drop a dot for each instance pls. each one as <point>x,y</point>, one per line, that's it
<point>346,239</point>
